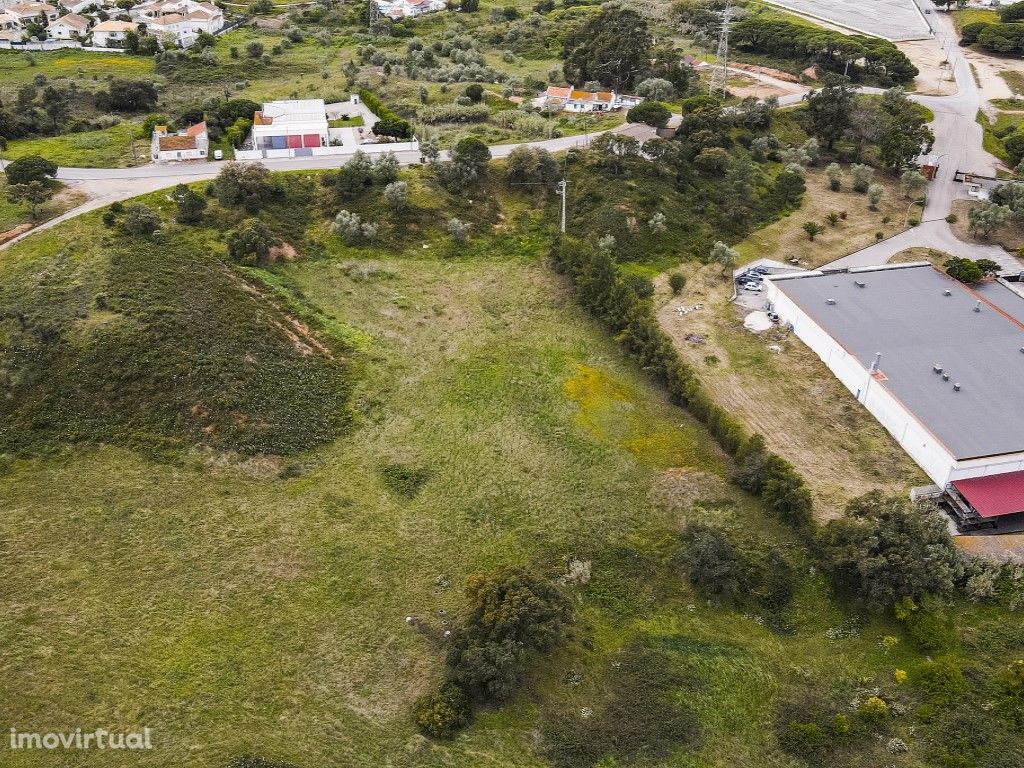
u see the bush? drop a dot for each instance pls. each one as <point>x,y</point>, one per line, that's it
<point>140,220</point>
<point>676,282</point>
<point>442,713</point>
<point>941,680</point>
<point>651,113</point>
<point>873,710</point>
<point>389,123</point>
<point>250,242</point>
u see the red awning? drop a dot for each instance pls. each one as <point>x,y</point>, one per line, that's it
<point>994,495</point>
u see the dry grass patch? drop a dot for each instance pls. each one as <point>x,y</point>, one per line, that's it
<point>785,239</point>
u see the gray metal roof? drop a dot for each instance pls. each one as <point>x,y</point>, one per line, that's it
<point>904,314</point>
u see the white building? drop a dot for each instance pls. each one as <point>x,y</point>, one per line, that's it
<point>25,13</point>
<point>70,27</point>
<point>192,143</point>
<point>574,100</point>
<point>293,125</point>
<point>8,23</point>
<point>938,364</point>
<point>110,34</point>
<point>80,6</point>
<point>180,20</point>
<point>400,9</point>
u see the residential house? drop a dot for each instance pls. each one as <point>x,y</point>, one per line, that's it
<point>110,34</point>
<point>573,100</point>
<point>8,23</point>
<point>180,20</point>
<point>296,124</point>
<point>81,6</point>
<point>193,143</point>
<point>70,27</point>
<point>26,13</point>
<point>400,9</point>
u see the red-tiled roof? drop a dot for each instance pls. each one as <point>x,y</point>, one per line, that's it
<point>994,495</point>
<point>173,143</point>
<point>196,130</point>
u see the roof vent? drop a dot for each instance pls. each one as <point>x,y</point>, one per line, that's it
<point>977,306</point>
<point>831,302</point>
<point>859,283</point>
<point>947,292</point>
<point>938,366</point>
<point>956,387</point>
<point>945,377</point>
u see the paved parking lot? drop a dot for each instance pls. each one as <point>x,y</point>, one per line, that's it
<point>891,19</point>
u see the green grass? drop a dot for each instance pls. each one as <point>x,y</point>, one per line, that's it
<point>967,16</point>
<point>347,122</point>
<point>240,602</point>
<point>110,148</point>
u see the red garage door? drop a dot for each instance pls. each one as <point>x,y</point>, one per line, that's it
<point>294,142</point>
<point>311,140</point>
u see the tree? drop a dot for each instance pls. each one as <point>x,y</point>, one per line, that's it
<point>526,165</point>
<point>656,88</point>
<point>396,195</point>
<point>724,255</point>
<point>828,112</point>
<point>250,242</point>
<point>712,564</point>
<point>474,92</point>
<point>473,153</point>
<point>987,218</point>
<point>29,168</point>
<point>875,192</point>
<point>651,113</point>
<point>354,176</point>
<point>352,228</point>
<point>967,271</point>
<point>786,495</point>
<point>886,548</point>
<point>712,161</point>
<point>140,220</point>
<point>862,175</point>
<point>913,183</point>
<point>127,96</point>
<point>190,205</point>
<point>612,47</point>
<point>904,133</point>
<point>385,169</point>
<point>676,282</point>
<point>835,176</point>
<point>512,612</point>
<point>56,105</point>
<point>32,193</point>
<point>249,186</point>
<point>813,229</point>
<point>469,6</point>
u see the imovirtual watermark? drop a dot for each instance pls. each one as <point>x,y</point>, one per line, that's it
<point>101,738</point>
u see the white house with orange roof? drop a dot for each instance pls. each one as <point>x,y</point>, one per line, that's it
<point>574,100</point>
<point>193,143</point>
<point>183,19</point>
<point>70,27</point>
<point>110,34</point>
<point>401,9</point>
<point>26,13</point>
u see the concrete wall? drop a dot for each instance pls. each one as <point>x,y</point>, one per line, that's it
<point>350,149</point>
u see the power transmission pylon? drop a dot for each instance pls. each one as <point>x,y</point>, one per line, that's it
<point>720,75</point>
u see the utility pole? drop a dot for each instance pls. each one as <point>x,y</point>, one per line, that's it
<point>563,190</point>
<point>720,76</point>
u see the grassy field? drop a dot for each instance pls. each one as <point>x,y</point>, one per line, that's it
<point>116,147</point>
<point>240,602</point>
<point>13,215</point>
<point>786,239</point>
<point>967,16</point>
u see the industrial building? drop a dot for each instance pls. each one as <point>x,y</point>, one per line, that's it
<point>938,363</point>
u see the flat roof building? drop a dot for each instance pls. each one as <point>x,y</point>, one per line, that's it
<point>294,124</point>
<point>938,363</point>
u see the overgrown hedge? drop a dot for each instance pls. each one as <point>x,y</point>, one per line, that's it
<point>603,291</point>
<point>389,123</point>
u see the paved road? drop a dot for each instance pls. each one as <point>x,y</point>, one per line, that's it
<point>958,142</point>
<point>107,185</point>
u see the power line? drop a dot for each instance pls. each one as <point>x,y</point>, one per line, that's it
<point>720,75</point>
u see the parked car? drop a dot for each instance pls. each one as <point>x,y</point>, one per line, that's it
<point>755,287</point>
<point>218,154</point>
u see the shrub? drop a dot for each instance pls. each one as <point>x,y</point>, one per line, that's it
<point>396,195</point>
<point>676,281</point>
<point>941,680</point>
<point>651,113</point>
<point>140,220</point>
<point>389,123</point>
<point>873,710</point>
<point>441,713</point>
<point>250,242</point>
